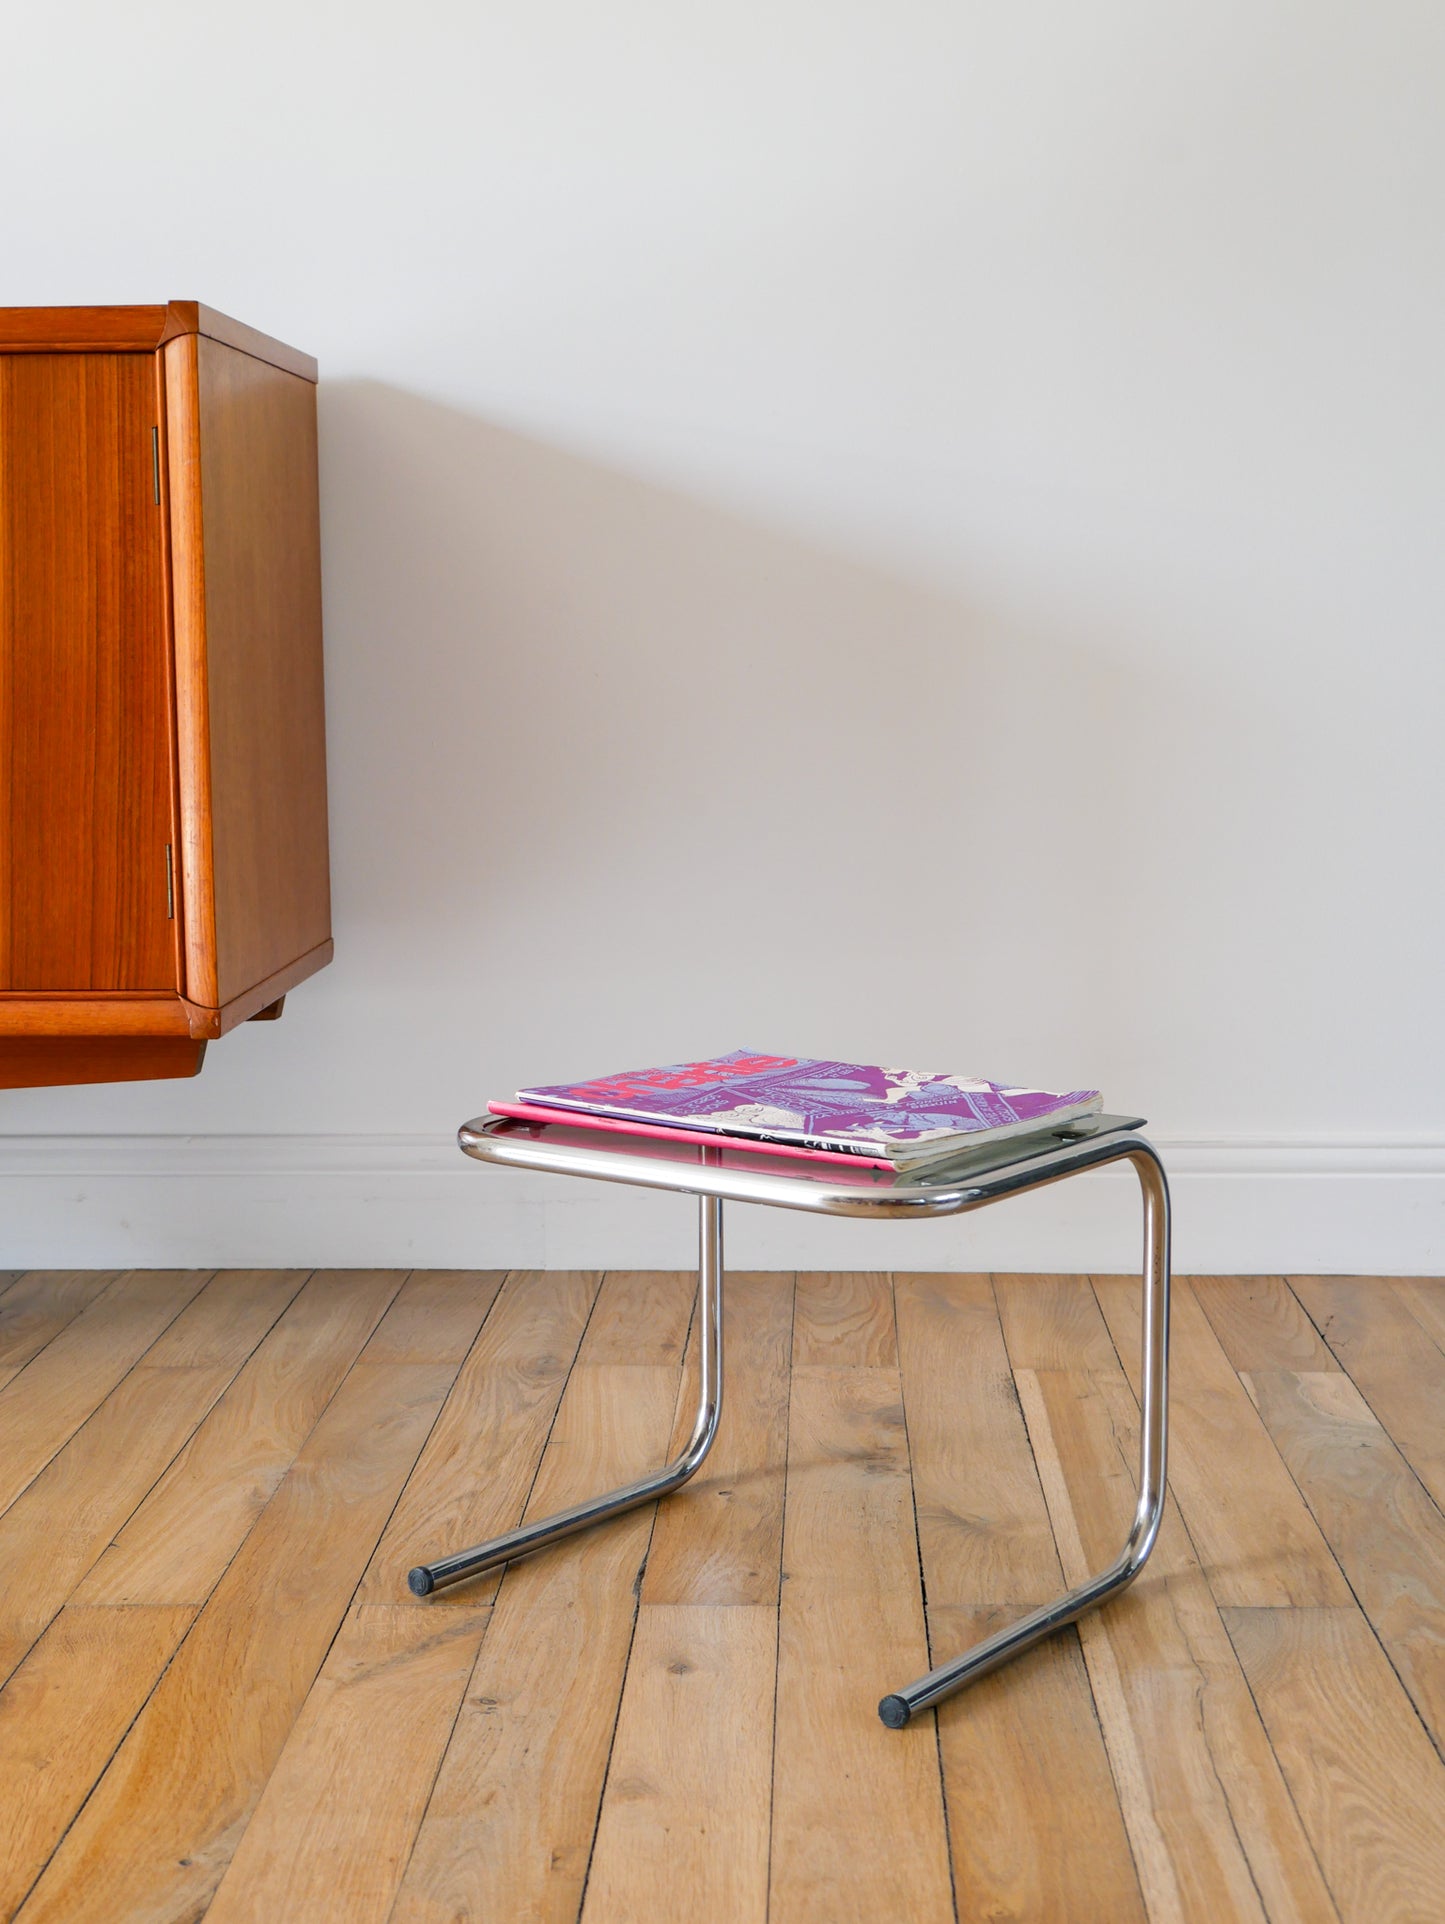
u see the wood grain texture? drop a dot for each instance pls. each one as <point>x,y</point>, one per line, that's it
<point>53,1533</point>
<point>182,1537</point>
<point>94,1483</point>
<point>510,1824</point>
<point>719,1539</point>
<point>61,1717</point>
<point>246,556</point>
<point>1034,1822</point>
<point>845,1318</point>
<point>245,1007</point>
<point>1387,1533</point>
<point>221,1326</point>
<point>642,1316</point>
<point>1053,1323</point>
<point>683,1830</point>
<point>52,1062</point>
<point>85,793</point>
<point>1033,1812</point>
<point>1424,1297</point>
<point>435,1317</point>
<point>1213,1829</point>
<point>983,1526</point>
<point>334,1829</point>
<point>335,1825</point>
<point>1261,1323</point>
<point>155,1838</point>
<point>1392,1358</point>
<point>1368,1785</point>
<point>88,330</point>
<point>194,317</point>
<point>499,1415</point>
<point>851,1628</point>
<point>43,1407</point>
<point>1245,1515</point>
<point>1210,1820</point>
<point>266,1732</point>
<point>83,1018</point>
<point>190,670</point>
<point>684,1823</point>
<point>162,749</point>
<point>39,1304</point>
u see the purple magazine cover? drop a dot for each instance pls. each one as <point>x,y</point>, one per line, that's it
<point>826,1105</point>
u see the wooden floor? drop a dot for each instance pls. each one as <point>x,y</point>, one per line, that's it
<point>218,1698</point>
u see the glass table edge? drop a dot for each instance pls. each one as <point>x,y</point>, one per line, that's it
<point>1019,1163</point>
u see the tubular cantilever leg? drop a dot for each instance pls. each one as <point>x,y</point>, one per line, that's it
<point>993,1651</point>
<point>536,1536</point>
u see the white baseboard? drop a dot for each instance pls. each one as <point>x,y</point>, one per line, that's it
<point>1261,1205</point>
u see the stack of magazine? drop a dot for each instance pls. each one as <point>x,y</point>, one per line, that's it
<point>897,1119</point>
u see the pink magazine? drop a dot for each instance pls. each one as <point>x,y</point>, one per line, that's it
<point>899,1117</point>
<point>577,1119</point>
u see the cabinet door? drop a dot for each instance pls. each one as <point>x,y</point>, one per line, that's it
<point>85,774</point>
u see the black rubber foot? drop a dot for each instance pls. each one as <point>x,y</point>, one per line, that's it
<point>419,1581</point>
<point>894,1712</point>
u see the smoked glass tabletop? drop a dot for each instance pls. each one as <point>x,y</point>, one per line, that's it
<point>796,1182</point>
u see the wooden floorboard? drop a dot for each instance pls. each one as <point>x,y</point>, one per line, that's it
<point>1387,1533</point>
<point>337,1819</point>
<point>1424,1297</point>
<point>1264,1551</point>
<point>1392,1359</point>
<point>37,1305</point>
<point>157,1834</point>
<point>509,1826</point>
<point>1035,1827</point>
<point>1212,1826</point>
<point>685,1820</point>
<point>1368,1785</point>
<point>62,1716</point>
<point>846,1791</point>
<point>115,1458</point>
<point>218,1698</point>
<point>181,1538</point>
<point>43,1406</point>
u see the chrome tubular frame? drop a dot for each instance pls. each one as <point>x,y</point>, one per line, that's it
<point>896,1710</point>
<point>713,1176</point>
<point>427,1577</point>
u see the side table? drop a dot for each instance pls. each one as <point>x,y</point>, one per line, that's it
<point>968,1181</point>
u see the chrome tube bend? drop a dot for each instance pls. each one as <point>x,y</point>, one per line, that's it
<point>901,1706</point>
<point>521,1542</point>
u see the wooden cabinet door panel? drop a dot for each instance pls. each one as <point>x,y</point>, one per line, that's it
<point>265,727</point>
<point>85,771</point>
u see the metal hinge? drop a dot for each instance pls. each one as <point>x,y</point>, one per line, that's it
<point>156,465</point>
<point>170,885</point>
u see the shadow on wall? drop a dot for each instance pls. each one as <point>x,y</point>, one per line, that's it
<point>599,740</point>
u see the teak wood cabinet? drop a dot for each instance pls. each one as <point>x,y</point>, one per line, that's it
<point>163,847</point>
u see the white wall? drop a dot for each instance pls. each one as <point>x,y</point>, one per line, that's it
<point>909,531</point>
